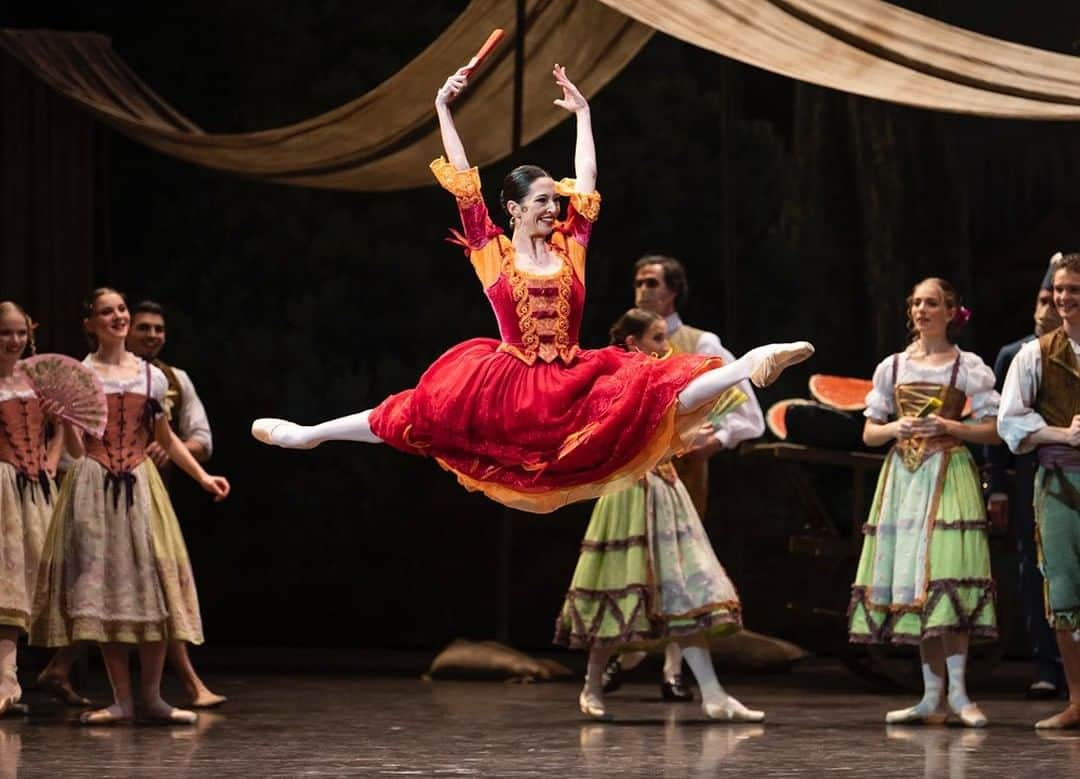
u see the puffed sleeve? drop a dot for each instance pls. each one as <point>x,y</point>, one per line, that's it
<point>977,381</point>
<point>1017,417</point>
<point>581,211</point>
<point>880,403</point>
<point>159,385</point>
<point>480,235</point>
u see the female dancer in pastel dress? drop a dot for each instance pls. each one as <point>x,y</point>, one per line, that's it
<point>924,574</point>
<point>647,573</point>
<point>27,492</point>
<point>115,569</point>
<point>533,420</point>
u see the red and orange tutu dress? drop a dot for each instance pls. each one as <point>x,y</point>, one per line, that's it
<point>532,420</point>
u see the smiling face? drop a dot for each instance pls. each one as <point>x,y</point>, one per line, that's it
<point>14,335</point>
<point>536,213</point>
<point>1067,296</point>
<point>653,341</point>
<point>109,321</point>
<point>930,314</point>
<point>147,335</point>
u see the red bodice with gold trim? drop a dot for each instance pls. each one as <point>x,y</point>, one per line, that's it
<point>538,316</point>
<point>127,433</point>
<point>22,435</point>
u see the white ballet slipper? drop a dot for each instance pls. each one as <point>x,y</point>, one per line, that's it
<point>732,710</point>
<point>769,369</point>
<point>592,706</point>
<point>916,715</point>
<point>276,432</point>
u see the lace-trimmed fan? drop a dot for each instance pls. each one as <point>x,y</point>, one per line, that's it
<point>71,384</point>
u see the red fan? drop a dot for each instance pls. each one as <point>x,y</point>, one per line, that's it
<point>492,41</point>
<point>71,384</point>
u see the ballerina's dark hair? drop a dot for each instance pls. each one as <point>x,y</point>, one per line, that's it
<point>634,322</point>
<point>8,306</point>
<point>516,185</point>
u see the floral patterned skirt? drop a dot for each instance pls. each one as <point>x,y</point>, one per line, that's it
<point>115,567</point>
<point>25,513</point>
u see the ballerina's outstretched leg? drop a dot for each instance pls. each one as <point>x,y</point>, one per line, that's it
<point>281,432</point>
<point>761,365</point>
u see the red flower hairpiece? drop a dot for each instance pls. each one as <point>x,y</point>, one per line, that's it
<point>962,316</point>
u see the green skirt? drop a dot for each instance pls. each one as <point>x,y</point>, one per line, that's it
<point>647,572</point>
<point>925,564</point>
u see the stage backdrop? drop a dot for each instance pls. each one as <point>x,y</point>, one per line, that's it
<point>309,304</point>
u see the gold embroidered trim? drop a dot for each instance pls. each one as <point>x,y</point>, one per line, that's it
<point>526,306</point>
<point>585,203</point>
<point>462,184</point>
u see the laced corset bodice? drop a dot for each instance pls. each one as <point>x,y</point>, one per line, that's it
<point>539,316</point>
<point>22,438</point>
<point>128,431</point>
<point>914,399</point>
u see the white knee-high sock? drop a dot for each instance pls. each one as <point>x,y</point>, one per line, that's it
<point>353,427</point>
<point>673,657</point>
<point>933,686</point>
<point>957,668</point>
<point>700,662</point>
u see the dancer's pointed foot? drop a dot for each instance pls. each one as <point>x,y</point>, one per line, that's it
<point>921,713</point>
<point>60,688</point>
<point>1070,718</point>
<point>281,432</point>
<point>592,705</point>
<point>158,712</point>
<point>780,356</point>
<point>732,710</point>
<point>971,716</point>
<point>111,715</point>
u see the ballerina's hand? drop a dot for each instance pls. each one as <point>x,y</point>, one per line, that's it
<point>53,409</point>
<point>454,85</point>
<point>906,427</point>
<point>930,426</point>
<point>218,486</point>
<point>572,99</point>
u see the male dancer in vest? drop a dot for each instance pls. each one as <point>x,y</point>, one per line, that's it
<point>999,459</point>
<point>659,285</point>
<point>187,416</point>
<point>1040,411</point>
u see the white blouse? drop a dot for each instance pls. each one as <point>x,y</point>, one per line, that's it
<point>1017,418</point>
<point>974,378</point>
<point>159,384</point>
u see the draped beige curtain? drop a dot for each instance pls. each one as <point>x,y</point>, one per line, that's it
<point>384,139</point>
<point>874,49</point>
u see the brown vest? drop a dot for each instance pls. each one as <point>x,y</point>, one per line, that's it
<point>174,395</point>
<point>1058,399</point>
<point>694,473</point>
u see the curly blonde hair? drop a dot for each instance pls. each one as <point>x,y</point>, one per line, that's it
<point>10,307</point>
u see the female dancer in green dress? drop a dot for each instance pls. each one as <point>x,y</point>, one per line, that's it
<point>647,572</point>
<point>924,574</point>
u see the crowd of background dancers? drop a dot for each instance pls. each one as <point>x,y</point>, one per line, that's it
<point>535,422</point>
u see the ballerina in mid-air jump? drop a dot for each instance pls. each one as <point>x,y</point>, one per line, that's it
<point>532,420</point>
